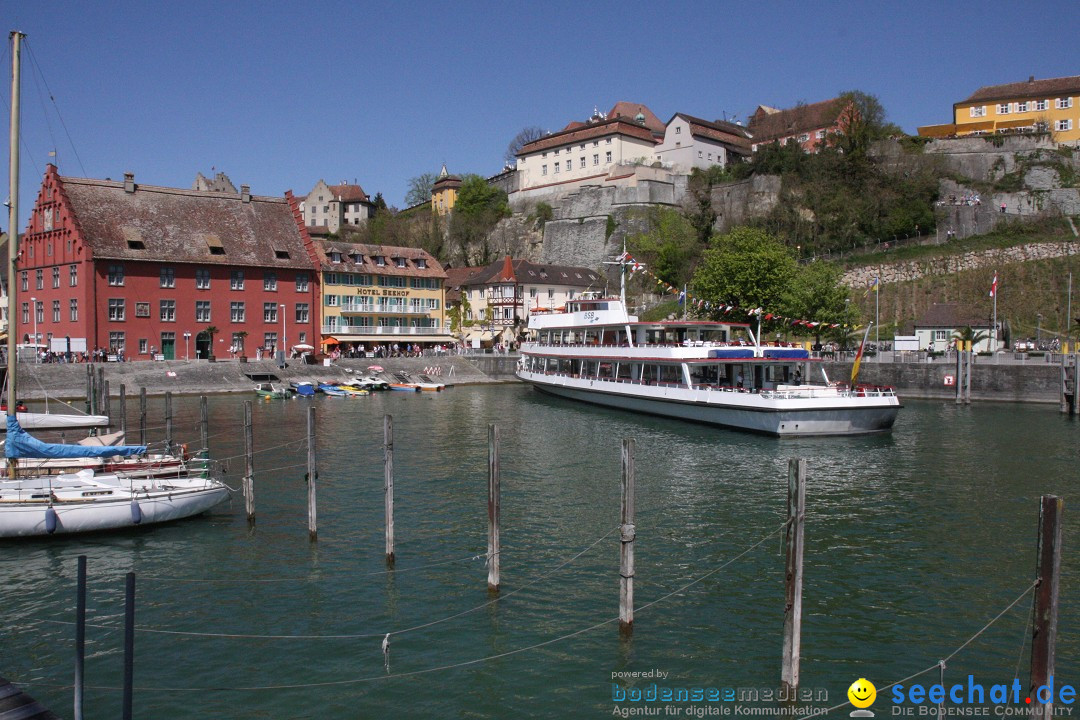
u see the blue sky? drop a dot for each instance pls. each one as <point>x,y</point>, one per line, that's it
<point>278,95</point>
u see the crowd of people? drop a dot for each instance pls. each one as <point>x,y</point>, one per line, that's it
<point>98,354</point>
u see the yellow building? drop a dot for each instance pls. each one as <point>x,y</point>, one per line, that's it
<point>381,295</point>
<point>444,192</point>
<point>1051,105</point>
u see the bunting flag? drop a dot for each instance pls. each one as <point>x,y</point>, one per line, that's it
<point>993,285</point>
<point>858,356</point>
<point>872,286</point>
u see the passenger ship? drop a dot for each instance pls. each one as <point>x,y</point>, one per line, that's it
<point>594,351</point>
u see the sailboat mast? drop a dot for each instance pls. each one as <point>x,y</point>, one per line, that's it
<point>13,218</point>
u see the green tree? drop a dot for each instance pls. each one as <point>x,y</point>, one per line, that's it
<point>378,204</point>
<point>477,210</point>
<point>420,189</point>
<point>746,267</point>
<point>816,294</point>
<point>969,334</point>
<point>669,248</point>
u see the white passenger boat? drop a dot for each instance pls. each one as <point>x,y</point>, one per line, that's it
<point>593,351</point>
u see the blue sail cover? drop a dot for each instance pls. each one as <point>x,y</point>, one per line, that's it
<point>20,444</point>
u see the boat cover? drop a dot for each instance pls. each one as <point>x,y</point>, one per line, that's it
<point>20,444</point>
<point>788,353</point>
<point>732,353</point>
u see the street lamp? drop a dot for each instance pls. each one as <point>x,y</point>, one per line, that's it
<point>187,336</point>
<point>284,342</point>
<point>37,354</point>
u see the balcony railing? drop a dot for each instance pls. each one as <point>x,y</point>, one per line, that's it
<point>377,308</point>
<point>383,330</point>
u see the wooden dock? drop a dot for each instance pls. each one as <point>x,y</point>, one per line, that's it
<point>14,703</point>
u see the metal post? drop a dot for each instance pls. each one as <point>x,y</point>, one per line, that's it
<point>494,509</point>
<point>388,485</point>
<point>789,675</point>
<point>626,537</point>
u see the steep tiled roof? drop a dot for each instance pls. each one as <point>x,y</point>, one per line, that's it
<point>952,315</point>
<point>210,228</point>
<point>615,126</point>
<point>767,126</point>
<point>527,272</point>
<point>718,130</point>
<point>348,193</point>
<point>1031,89</point>
<point>349,250</point>
<point>629,111</point>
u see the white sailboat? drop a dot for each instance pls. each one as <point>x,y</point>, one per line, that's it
<point>53,488</point>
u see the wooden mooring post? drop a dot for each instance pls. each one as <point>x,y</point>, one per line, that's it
<point>388,485</point>
<point>1045,621</point>
<point>168,422</point>
<point>1069,387</point>
<point>106,400</point>
<point>249,465</point>
<point>204,427</point>
<point>142,416</point>
<point>627,533</point>
<point>100,388</point>
<point>129,644</point>
<point>793,575</point>
<point>123,411</point>
<point>494,548</point>
<point>91,406</point>
<point>80,636</point>
<point>312,476</point>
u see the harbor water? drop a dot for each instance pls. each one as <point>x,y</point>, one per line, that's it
<point>915,540</point>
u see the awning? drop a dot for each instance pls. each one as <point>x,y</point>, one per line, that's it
<point>330,341</point>
<point>1004,124</point>
<point>975,126</point>
<point>937,131</point>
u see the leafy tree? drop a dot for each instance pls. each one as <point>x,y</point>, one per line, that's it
<point>420,189</point>
<point>669,248</point>
<point>477,210</point>
<point>817,294</point>
<point>526,136</point>
<point>862,121</point>
<point>746,267</point>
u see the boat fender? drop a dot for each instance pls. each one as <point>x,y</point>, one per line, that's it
<point>50,520</point>
<point>136,512</point>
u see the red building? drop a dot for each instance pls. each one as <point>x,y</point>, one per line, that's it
<point>165,272</point>
<point>811,126</point>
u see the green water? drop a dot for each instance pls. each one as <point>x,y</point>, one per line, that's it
<point>915,540</point>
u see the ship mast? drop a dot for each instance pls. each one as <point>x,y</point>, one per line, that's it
<point>13,226</point>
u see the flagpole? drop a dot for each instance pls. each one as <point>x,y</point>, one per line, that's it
<point>877,327</point>
<point>685,301</point>
<point>995,331</point>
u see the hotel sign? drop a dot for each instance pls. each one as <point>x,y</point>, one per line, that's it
<point>382,292</point>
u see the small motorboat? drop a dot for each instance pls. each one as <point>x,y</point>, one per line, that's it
<point>371,383</point>
<point>354,390</point>
<point>303,388</point>
<point>332,389</point>
<point>271,391</point>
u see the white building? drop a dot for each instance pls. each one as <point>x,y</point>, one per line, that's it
<point>586,152</point>
<point>327,207</point>
<point>691,142</point>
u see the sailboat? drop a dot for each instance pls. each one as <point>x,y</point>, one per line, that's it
<point>55,488</point>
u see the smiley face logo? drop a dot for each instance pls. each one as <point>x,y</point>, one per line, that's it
<point>862,693</point>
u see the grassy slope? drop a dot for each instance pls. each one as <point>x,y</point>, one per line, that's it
<point>1024,289</point>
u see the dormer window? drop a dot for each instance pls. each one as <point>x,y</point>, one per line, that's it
<point>421,263</point>
<point>136,245</point>
<point>335,256</point>
<point>399,262</point>
<point>380,261</point>
<point>358,258</point>
<point>281,254</point>
<point>213,243</point>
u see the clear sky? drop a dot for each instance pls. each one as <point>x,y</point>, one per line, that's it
<point>278,95</point>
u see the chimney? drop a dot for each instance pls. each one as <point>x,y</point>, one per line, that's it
<point>129,182</point>
<point>245,193</point>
